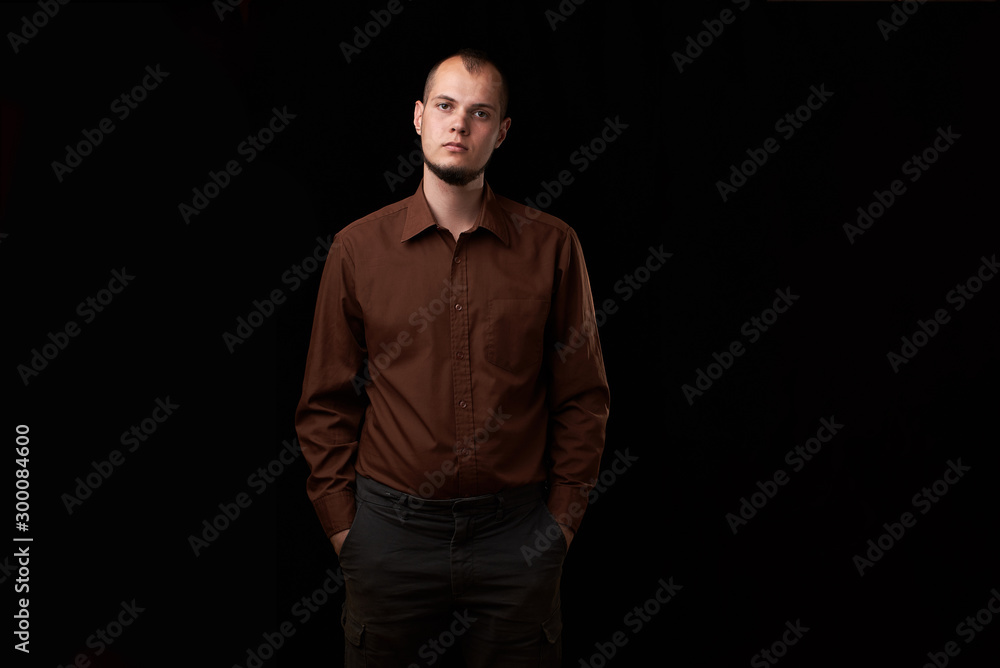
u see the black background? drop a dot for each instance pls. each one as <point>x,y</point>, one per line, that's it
<point>654,185</point>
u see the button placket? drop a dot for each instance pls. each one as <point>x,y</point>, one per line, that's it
<point>462,372</point>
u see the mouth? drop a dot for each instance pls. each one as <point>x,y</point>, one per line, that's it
<point>456,147</point>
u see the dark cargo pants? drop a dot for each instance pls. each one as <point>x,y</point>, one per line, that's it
<point>478,577</point>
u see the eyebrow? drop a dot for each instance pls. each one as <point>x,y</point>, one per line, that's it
<point>477,104</point>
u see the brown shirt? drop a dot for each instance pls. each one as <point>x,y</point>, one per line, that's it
<point>451,369</point>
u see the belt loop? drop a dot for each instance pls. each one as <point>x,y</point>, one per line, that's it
<point>499,507</point>
<point>401,512</point>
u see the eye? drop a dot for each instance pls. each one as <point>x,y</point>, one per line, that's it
<point>484,115</point>
<point>442,105</point>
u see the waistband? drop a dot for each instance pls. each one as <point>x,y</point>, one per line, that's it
<point>372,491</point>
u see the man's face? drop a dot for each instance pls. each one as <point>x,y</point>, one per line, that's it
<point>460,126</point>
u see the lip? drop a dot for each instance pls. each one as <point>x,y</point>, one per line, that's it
<point>456,147</point>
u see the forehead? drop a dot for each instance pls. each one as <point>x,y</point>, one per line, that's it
<point>452,79</point>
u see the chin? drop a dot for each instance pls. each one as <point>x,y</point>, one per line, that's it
<point>457,158</point>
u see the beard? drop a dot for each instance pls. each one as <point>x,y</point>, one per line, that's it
<point>456,176</point>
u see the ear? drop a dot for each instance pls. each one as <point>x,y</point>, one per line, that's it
<point>418,114</point>
<point>504,126</point>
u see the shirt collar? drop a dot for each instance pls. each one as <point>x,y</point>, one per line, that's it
<point>491,216</point>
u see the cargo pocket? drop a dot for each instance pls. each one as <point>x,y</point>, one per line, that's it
<point>354,640</point>
<point>516,333</point>
<point>551,645</point>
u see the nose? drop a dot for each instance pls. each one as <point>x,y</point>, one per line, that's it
<point>459,125</point>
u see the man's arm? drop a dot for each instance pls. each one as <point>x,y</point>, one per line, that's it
<point>330,411</point>
<point>578,390</point>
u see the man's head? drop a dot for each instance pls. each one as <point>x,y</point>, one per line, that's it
<point>463,116</point>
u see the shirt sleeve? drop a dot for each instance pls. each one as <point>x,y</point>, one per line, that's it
<point>330,412</point>
<point>578,389</point>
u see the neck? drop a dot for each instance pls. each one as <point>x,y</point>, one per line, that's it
<point>454,208</point>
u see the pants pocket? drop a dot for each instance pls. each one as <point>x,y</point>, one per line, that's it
<point>352,535</point>
<point>554,531</point>
<point>551,645</point>
<point>354,640</point>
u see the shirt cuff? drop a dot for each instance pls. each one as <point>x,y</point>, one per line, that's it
<point>336,511</point>
<point>568,504</point>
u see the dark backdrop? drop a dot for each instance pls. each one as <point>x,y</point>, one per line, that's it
<point>105,545</point>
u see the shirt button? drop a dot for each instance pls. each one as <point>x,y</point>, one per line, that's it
<point>462,404</point>
<point>458,260</point>
<point>458,307</point>
<point>459,355</point>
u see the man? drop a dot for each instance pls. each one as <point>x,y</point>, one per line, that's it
<point>454,402</point>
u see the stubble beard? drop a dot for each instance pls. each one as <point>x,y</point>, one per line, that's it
<point>456,176</point>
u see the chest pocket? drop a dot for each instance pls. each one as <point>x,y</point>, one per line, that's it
<point>516,335</point>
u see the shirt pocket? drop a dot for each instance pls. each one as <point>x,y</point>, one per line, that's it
<point>516,334</point>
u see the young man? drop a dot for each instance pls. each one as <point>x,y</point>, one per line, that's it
<point>454,402</point>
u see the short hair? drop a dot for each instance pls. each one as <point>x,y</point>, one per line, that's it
<point>474,61</point>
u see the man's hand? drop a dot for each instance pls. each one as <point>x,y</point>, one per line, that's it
<point>338,540</point>
<point>568,533</point>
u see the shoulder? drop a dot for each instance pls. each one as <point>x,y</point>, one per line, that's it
<point>378,231</point>
<point>384,216</point>
<point>523,217</point>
